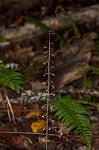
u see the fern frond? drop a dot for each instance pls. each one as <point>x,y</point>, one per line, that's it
<point>74,116</point>
<point>11,78</point>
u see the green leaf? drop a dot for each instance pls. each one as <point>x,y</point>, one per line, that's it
<point>74,26</point>
<point>11,78</point>
<point>43,99</point>
<point>29,77</point>
<point>74,116</point>
<point>88,83</point>
<point>1,106</point>
<point>2,39</point>
<point>38,23</point>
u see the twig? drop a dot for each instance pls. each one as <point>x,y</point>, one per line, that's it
<point>10,110</point>
<point>31,133</point>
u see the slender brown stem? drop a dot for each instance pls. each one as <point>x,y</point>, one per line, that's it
<point>48,88</point>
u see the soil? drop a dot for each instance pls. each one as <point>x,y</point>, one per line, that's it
<point>23,42</point>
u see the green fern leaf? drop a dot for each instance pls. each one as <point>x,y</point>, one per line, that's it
<point>74,116</point>
<point>11,78</point>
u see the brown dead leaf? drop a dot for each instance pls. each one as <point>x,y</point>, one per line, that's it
<point>23,53</point>
<point>37,85</point>
<point>16,109</point>
<point>33,114</point>
<point>18,21</point>
<point>62,129</point>
<point>43,140</point>
<point>18,142</point>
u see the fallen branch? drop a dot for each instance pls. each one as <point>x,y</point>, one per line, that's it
<point>71,67</point>
<point>86,91</point>
<point>84,15</point>
<point>69,62</point>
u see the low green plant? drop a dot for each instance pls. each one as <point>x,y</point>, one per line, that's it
<point>75,29</point>
<point>2,39</point>
<point>93,69</point>
<point>97,44</point>
<point>74,116</point>
<point>88,83</point>
<point>10,78</point>
<point>74,26</point>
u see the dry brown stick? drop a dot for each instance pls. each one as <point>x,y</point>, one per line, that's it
<point>84,15</point>
<point>4,133</point>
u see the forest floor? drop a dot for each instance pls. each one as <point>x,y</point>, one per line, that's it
<point>24,33</point>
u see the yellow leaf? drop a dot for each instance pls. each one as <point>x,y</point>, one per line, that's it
<point>38,126</point>
<point>33,114</point>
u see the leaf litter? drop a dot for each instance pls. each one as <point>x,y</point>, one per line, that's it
<point>30,113</point>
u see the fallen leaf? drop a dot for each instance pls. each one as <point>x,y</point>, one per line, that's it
<point>18,21</point>
<point>33,114</point>
<point>38,126</point>
<point>17,142</point>
<point>23,53</point>
<point>16,109</point>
